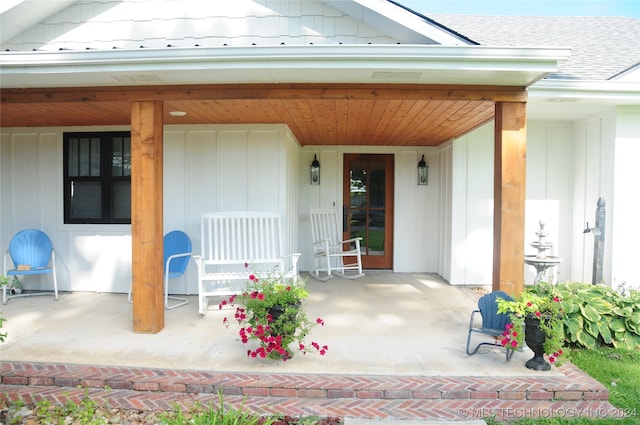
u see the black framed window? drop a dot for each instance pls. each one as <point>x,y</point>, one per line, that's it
<point>97,177</point>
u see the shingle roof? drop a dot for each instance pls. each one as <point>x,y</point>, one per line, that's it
<point>602,47</point>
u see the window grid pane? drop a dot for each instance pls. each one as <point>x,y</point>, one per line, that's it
<point>126,157</point>
<point>97,177</point>
<point>121,156</point>
<point>84,157</point>
<point>86,199</point>
<point>95,157</point>
<point>121,200</point>
<point>73,157</point>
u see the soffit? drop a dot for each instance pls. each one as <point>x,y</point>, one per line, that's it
<point>470,80</point>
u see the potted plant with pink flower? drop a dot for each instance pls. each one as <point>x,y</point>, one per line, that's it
<point>270,311</point>
<point>536,320</point>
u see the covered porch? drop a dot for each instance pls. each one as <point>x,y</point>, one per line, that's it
<point>383,323</point>
<point>396,351</point>
<point>456,90</point>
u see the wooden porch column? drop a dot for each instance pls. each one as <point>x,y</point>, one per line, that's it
<point>146,216</point>
<point>509,197</point>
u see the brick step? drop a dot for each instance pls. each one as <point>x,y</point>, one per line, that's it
<point>398,409</point>
<point>376,397</point>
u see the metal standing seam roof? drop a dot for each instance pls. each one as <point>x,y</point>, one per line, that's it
<point>601,47</point>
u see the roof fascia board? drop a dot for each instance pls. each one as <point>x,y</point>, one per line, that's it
<point>626,92</point>
<point>371,56</point>
<point>384,64</point>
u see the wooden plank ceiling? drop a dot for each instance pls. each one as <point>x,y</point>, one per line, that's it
<point>315,120</point>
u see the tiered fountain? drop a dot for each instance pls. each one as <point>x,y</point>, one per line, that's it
<point>541,261</point>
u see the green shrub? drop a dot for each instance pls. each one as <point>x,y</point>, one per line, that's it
<point>597,315</point>
<point>3,335</point>
<point>200,414</point>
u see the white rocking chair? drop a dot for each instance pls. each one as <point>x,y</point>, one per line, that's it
<point>329,250</point>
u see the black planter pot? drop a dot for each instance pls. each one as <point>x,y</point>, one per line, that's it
<point>283,316</point>
<point>535,338</point>
<point>277,310</point>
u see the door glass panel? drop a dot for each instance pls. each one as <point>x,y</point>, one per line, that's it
<point>367,204</point>
<point>376,214</point>
<point>376,185</point>
<point>376,233</point>
<point>358,201</point>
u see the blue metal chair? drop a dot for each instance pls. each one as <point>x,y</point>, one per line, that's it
<point>493,323</point>
<point>32,253</point>
<point>177,253</point>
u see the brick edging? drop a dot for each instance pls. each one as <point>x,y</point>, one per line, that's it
<point>573,385</point>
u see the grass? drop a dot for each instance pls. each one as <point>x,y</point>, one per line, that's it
<point>619,371</point>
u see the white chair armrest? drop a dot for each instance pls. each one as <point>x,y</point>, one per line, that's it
<point>351,240</point>
<point>185,254</point>
<point>294,262</point>
<point>173,257</point>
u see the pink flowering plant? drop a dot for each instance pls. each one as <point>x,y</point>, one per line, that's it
<point>547,309</point>
<point>270,311</point>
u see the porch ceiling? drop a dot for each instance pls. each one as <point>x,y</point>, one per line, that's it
<point>407,115</point>
<point>313,122</point>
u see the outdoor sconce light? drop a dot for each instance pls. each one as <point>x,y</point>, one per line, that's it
<point>423,172</point>
<point>315,171</point>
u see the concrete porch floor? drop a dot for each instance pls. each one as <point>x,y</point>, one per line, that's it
<point>396,351</point>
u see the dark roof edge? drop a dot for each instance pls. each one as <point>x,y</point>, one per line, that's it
<point>625,71</point>
<point>435,23</point>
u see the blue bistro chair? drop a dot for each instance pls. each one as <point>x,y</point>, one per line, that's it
<point>32,253</point>
<point>177,253</point>
<point>493,323</point>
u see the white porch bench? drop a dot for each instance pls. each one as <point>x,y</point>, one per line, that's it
<point>229,241</point>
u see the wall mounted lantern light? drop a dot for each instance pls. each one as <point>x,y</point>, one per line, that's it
<point>315,171</point>
<point>423,172</point>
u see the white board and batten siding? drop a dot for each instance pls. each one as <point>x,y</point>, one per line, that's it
<point>207,168</point>
<point>231,168</point>
<point>445,227</point>
<point>549,191</point>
